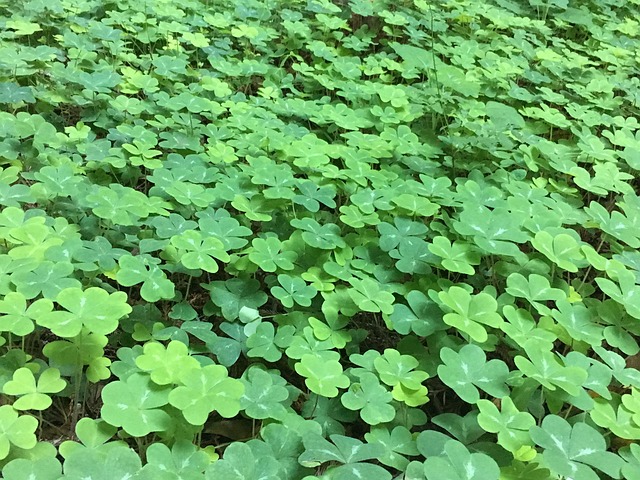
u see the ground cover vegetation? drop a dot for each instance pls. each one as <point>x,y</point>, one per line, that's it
<point>296,239</point>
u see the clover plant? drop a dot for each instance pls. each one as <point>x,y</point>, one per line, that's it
<point>319,239</point>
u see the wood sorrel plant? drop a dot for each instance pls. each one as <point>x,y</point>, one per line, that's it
<point>339,239</point>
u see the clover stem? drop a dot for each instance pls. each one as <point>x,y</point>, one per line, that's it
<point>40,422</point>
<point>139,444</point>
<point>586,275</point>
<point>315,405</point>
<point>188,288</point>
<point>76,395</point>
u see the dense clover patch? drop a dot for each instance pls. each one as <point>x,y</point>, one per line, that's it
<point>338,239</point>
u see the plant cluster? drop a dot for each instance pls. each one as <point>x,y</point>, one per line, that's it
<point>285,240</point>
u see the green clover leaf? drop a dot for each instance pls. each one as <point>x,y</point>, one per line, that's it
<point>32,240</point>
<point>262,343</point>
<point>504,117</point>
<point>368,201</point>
<point>413,397</point>
<point>99,81</point>
<point>349,452</point>
<point>225,228</point>
<point>118,463</point>
<point>190,193</point>
<point>422,316</point>
<point>228,347</point>
<point>470,312</point>
<point>561,249</point>
<point>268,254</point>
<point>11,92</point>
<point>413,58</point>
<point>464,429</point>
<point>121,205</point>
<point>393,94</point>
<point>217,86</point>
<point>524,471</point>
<point>333,331</point>
<point>457,463</point>
<point>401,232</point>
<point>15,194</point>
<point>87,348</point>
<point>326,237</point>
<point>626,293</point>
<point>263,398</point>
<point>613,416</point>
<point>33,396</point>
<point>293,289</point>
<point>536,290</point>
<point>308,343</point>
<point>632,403</point>
<point>47,279</point>
<point>323,374</point>
<point>285,444</point>
<point>394,368</point>
<point>155,285</point>
<point>632,456</point>
<point>196,252</point>
<point>43,468</point>
<point>93,308</point>
<point>397,443</point>
<point>493,231</point>
<point>370,297</point>
<point>257,209</point>
<point>234,294</point>
<point>511,425</point>
<point>608,178</point>
<point>523,329</point>
<point>277,177</point>
<point>414,257</point>
<point>468,368</point>
<point>617,364</point>
<point>17,318</point>
<point>546,369</point>
<point>574,450</point>
<point>167,66</point>
<point>184,461</point>
<point>328,414</point>
<point>579,322</point>
<point>354,217</point>
<point>371,398</point>
<point>415,205</point>
<point>204,390</point>
<point>16,430</point>
<point>615,224</point>
<point>100,251</point>
<point>94,435</point>
<point>240,462</point>
<point>457,257</point>
<point>142,153</point>
<point>311,195</point>
<point>166,365</point>
<point>134,405</point>
<point>174,224</point>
